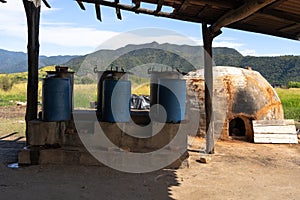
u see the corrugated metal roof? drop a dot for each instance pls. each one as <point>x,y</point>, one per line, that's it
<point>274,17</point>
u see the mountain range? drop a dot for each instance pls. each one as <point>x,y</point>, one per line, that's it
<point>277,69</point>
<point>11,62</point>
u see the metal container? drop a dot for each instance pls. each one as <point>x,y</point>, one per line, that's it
<point>154,80</point>
<point>56,99</point>
<point>106,75</point>
<point>116,101</point>
<point>172,96</point>
<point>62,72</point>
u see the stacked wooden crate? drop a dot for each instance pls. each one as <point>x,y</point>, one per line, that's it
<point>275,131</point>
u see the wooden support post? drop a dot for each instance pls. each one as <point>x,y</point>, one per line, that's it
<point>33,20</point>
<point>208,37</point>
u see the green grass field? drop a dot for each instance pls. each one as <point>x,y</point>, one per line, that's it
<point>290,99</point>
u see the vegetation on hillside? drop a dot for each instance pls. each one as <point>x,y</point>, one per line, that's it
<point>293,84</point>
<point>278,70</point>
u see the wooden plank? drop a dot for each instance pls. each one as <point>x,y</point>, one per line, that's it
<point>275,131</point>
<point>276,140</point>
<point>289,129</point>
<point>273,122</point>
<point>276,136</point>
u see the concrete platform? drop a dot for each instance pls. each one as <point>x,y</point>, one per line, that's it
<point>67,142</point>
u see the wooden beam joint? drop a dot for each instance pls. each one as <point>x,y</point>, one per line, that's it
<point>159,6</point>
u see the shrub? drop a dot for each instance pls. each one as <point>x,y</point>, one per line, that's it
<point>86,80</point>
<point>293,84</point>
<point>6,83</point>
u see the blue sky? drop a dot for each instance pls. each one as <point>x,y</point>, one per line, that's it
<point>67,30</point>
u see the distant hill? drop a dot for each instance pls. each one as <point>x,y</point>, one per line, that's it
<point>11,62</point>
<point>184,57</point>
<point>278,69</point>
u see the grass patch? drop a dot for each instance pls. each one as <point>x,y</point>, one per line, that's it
<point>143,89</point>
<point>12,125</point>
<point>290,99</point>
<point>84,94</point>
<point>17,93</point>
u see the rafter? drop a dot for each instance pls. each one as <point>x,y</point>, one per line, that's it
<point>145,11</point>
<point>183,6</point>
<point>282,15</point>
<point>98,11</point>
<point>159,6</point>
<point>203,11</point>
<point>247,9</point>
<point>46,4</point>
<point>137,5</point>
<point>118,11</point>
<point>218,3</point>
<point>80,5</point>
<point>290,27</point>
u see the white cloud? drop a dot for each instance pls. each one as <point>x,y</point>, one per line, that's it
<point>227,44</point>
<point>248,52</point>
<point>231,43</point>
<point>71,36</point>
<point>13,24</point>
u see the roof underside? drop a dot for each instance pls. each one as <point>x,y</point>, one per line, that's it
<point>273,17</point>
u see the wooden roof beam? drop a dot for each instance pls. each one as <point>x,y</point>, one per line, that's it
<point>118,11</point>
<point>98,11</point>
<point>183,6</point>
<point>137,5</point>
<point>275,4</point>
<point>251,28</point>
<point>247,9</point>
<point>283,15</point>
<point>290,27</point>
<point>81,5</point>
<point>204,10</point>
<point>46,4</point>
<point>218,3</point>
<point>160,4</point>
<point>145,11</point>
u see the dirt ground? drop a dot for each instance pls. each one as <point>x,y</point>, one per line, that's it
<point>8,112</point>
<point>237,170</point>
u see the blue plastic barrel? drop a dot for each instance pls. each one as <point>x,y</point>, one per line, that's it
<point>56,99</point>
<point>172,96</point>
<point>116,101</point>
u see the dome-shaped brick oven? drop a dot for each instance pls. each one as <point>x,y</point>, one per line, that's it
<point>240,96</point>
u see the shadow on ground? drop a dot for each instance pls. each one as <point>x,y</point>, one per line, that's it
<point>77,182</point>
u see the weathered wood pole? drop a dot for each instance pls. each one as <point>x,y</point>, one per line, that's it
<point>33,21</point>
<point>208,37</point>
